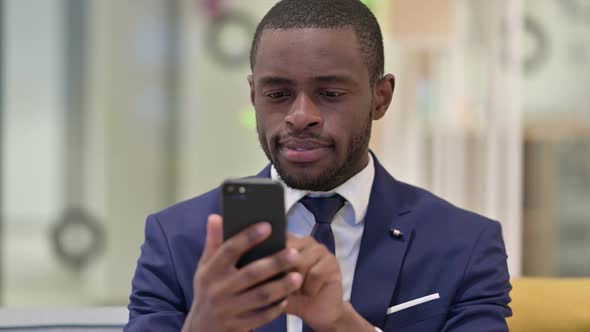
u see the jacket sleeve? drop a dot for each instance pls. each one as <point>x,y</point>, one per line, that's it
<point>481,303</point>
<point>156,301</point>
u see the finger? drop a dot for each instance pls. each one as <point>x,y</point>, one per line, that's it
<point>258,318</point>
<point>214,237</point>
<point>326,270</point>
<point>300,243</point>
<point>267,293</point>
<point>232,249</point>
<point>309,254</point>
<point>263,269</point>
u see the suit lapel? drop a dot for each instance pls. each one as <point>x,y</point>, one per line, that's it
<point>381,253</point>
<point>265,173</point>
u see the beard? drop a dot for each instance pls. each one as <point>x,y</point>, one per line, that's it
<point>331,177</point>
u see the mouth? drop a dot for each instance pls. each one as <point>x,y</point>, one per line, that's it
<point>304,150</point>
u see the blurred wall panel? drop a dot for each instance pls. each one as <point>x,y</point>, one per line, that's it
<point>33,152</point>
<point>132,144</point>
<point>557,123</point>
<point>217,134</point>
<point>455,122</point>
<point>89,138</point>
<point>417,21</point>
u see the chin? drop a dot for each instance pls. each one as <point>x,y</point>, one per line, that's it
<point>308,177</point>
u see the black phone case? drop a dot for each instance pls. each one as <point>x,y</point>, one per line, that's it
<point>261,200</point>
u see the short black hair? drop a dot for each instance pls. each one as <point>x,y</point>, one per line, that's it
<point>328,14</point>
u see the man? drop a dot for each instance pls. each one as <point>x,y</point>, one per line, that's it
<point>397,257</point>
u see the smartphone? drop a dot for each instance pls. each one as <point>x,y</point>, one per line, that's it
<point>249,201</point>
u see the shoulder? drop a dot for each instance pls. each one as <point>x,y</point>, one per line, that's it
<point>449,239</point>
<point>425,210</point>
<point>436,217</point>
<point>189,216</point>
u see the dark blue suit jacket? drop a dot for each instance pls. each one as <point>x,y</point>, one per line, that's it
<point>444,250</point>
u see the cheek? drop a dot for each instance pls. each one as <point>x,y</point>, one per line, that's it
<point>268,117</point>
<point>344,126</point>
<point>267,124</point>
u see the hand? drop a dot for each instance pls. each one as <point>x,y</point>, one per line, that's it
<point>319,301</point>
<point>231,299</point>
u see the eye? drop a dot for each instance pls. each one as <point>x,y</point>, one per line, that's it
<point>331,93</point>
<point>277,95</point>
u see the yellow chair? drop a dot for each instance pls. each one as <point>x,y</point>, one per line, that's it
<point>550,305</point>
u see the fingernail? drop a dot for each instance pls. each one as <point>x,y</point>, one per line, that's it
<point>292,255</point>
<point>296,279</point>
<point>283,305</point>
<point>263,229</point>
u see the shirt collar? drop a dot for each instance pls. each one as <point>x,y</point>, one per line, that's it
<point>355,190</point>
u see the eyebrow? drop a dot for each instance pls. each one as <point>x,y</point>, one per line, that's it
<point>277,80</point>
<point>342,79</point>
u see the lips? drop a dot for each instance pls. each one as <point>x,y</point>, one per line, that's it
<point>304,150</point>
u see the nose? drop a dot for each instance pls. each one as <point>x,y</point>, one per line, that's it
<point>303,114</point>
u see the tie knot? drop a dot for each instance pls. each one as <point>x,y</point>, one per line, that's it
<point>323,208</point>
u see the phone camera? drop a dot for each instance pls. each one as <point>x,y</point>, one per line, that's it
<point>230,189</point>
<point>242,190</point>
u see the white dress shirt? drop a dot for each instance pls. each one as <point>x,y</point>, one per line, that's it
<point>347,226</point>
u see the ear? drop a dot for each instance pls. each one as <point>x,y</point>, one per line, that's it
<point>383,94</point>
<point>252,89</point>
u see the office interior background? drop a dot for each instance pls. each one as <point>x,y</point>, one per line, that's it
<point>111,110</point>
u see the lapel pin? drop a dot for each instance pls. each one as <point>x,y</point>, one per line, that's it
<point>396,232</point>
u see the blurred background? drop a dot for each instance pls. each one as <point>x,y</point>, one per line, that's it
<point>111,110</point>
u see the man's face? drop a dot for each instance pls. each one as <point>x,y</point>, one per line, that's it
<point>314,105</point>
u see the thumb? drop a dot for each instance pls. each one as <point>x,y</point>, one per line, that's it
<point>214,237</point>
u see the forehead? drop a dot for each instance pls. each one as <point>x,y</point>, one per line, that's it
<point>304,53</point>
